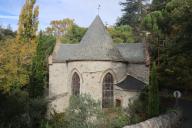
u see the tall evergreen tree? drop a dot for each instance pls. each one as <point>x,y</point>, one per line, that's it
<point>169,23</point>
<point>39,75</point>
<point>133,11</point>
<point>157,2</point>
<point>153,93</point>
<point>157,5</point>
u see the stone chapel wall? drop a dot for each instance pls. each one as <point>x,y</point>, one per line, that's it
<point>58,91</point>
<point>92,74</point>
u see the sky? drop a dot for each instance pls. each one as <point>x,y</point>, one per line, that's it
<point>82,11</point>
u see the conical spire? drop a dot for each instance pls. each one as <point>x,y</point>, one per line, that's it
<point>98,40</point>
<point>97,34</point>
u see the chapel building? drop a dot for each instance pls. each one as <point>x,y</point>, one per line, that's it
<point>112,73</point>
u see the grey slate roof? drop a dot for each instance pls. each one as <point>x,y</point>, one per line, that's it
<point>98,45</point>
<point>132,84</point>
<point>132,52</point>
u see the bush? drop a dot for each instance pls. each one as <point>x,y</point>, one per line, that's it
<point>17,110</point>
<point>137,109</point>
<point>85,112</point>
<point>119,119</point>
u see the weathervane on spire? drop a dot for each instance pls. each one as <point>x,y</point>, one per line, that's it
<point>99,6</point>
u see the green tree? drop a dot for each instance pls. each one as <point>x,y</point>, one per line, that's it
<point>133,11</point>
<point>153,93</point>
<point>170,27</point>
<point>176,59</point>
<point>39,75</point>
<point>121,34</point>
<point>6,33</point>
<point>158,4</point>
<point>74,35</point>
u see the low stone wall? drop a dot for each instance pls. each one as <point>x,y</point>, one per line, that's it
<point>169,120</point>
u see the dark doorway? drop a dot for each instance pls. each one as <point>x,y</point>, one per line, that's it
<point>118,103</point>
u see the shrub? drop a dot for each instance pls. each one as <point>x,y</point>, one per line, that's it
<point>85,112</point>
<point>17,110</point>
<point>120,119</point>
<point>137,108</point>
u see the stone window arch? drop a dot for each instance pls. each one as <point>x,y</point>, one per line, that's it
<point>107,91</point>
<point>75,84</point>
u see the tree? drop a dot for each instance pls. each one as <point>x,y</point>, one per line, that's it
<point>12,74</point>
<point>27,30</point>
<point>133,11</point>
<point>16,54</point>
<point>59,28</point>
<point>178,33</point>
<point>74,35</point>
<point>153,93</point>
<point>28,22</point>
<point>6,33</point>
<point>121,34</point>
<point>172,22</point>
<point>39,75</point>
<point>158,4</point>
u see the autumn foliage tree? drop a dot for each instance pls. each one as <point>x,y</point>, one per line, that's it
<point>16,54</point>
<point>27,30</point>
<point>28,22</point>
<point>59,28</point>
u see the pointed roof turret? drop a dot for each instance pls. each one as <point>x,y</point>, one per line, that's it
<point>98,42</point>
<point>97,34</point>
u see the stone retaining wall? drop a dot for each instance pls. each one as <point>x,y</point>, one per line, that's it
<point>169,120</point>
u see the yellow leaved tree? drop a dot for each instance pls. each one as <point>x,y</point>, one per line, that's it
<point>59,28</point>
<point>16,54</point>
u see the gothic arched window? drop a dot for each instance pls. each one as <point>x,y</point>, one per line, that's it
<point>75,84</point>
<point>107,97</point>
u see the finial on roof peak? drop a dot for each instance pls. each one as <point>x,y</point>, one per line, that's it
<point>99,6</point>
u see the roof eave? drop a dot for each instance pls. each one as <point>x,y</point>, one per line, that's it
<point>64,61</point>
